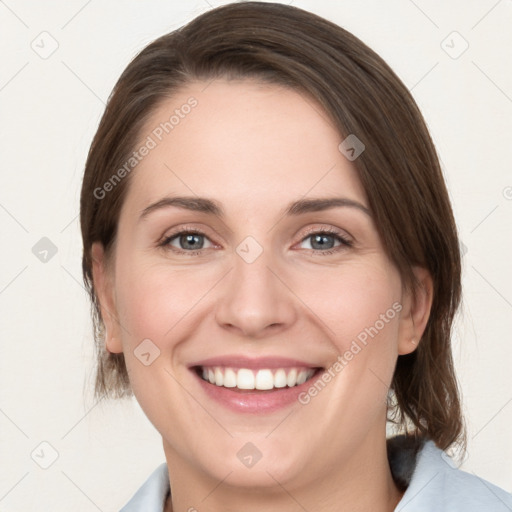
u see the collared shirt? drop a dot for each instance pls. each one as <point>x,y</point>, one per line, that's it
<point>432,480</point>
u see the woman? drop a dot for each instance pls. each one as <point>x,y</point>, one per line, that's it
<point>274,267</point>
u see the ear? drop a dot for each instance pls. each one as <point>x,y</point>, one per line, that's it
<point>105,292</point>
<point>415,312</point>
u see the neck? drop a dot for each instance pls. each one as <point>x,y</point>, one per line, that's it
<point>362,482</point>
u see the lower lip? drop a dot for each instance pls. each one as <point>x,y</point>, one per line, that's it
<point>252,400</point>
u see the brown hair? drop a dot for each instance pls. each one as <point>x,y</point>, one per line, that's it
<point>399,170</point>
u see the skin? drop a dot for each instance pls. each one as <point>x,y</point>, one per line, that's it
<point>254,148</point>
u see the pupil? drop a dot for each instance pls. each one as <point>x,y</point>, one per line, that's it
<point>321,241</point>
<point>187,241</point>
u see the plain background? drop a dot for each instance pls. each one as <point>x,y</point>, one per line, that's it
<point>50,108</point>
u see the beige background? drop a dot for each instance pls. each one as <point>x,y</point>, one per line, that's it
<point>50,107</point>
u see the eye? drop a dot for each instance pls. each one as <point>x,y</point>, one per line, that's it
<point>187,241</point>
<point>192,241</point>
<point>326,241</point>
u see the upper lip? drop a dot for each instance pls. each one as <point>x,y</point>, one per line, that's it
<point>241,361</point>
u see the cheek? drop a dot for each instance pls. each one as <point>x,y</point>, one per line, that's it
<point>153,298</point>
<point>359,305</point>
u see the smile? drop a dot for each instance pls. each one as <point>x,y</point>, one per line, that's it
<point>261,379</point>
<point>257,385</point>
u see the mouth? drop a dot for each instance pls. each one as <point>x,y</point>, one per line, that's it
<point>256,385</point>
<point>256,379</point>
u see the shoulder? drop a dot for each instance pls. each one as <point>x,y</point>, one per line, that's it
<point>150,497</point>
<point>437,484</point>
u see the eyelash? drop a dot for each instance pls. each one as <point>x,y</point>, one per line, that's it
<point>345,242</point>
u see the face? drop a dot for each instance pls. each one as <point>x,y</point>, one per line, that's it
<point>253,279</point>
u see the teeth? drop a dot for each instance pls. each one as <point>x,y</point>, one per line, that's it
<point>291,378</point>
<point>280,379</point>
<point>303,375</point>
<point>244,379</point>
<point>219,377</point>
<point>263,379</point>
<point>229,378</point>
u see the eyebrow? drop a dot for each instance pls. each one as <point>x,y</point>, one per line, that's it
<point>205,205</point>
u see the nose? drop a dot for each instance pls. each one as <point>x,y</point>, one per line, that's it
<point>255,299</point>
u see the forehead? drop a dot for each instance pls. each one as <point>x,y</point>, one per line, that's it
<point>247,144</point>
